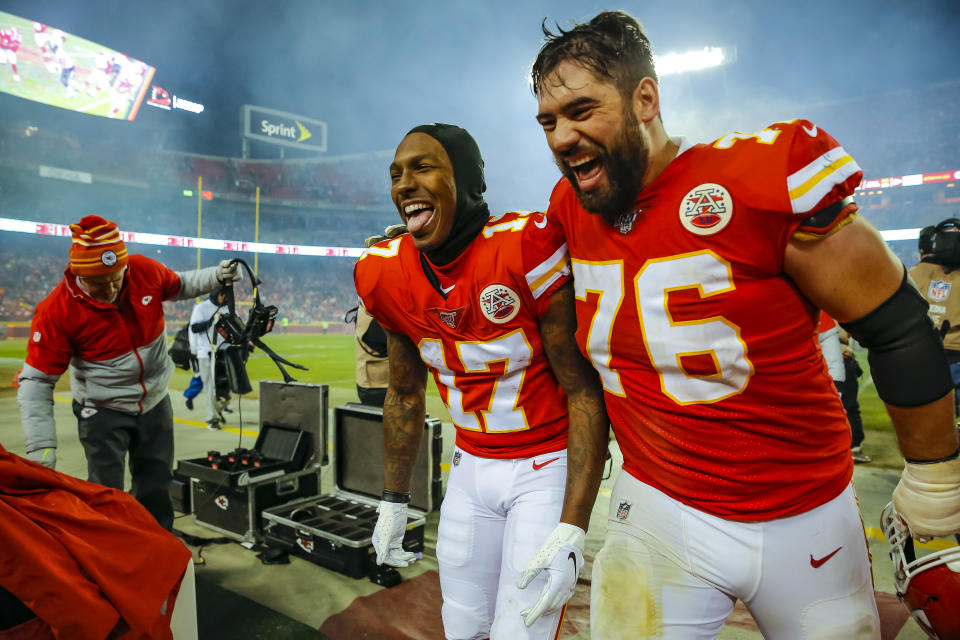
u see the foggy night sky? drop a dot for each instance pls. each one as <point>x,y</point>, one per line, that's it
<point>372,69</point>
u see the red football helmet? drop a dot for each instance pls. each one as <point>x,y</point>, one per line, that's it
<point>928,585</point>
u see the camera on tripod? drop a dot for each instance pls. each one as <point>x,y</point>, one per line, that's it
<point>240,337</point>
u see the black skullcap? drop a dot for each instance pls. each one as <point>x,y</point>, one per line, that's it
<point>925,241</point>
<point>472,212</point>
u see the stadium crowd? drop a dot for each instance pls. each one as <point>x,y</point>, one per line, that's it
<point>305,201</point>
<point>304,289</point>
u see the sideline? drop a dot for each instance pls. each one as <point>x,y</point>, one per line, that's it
<point>192,423</point>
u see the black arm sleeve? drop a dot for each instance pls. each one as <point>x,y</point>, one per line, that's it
<point>199,327</point>
<point>907,361</point>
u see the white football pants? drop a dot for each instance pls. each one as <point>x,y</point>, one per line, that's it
<point>667,570</point>
<point>495,516</point>
<point>207,377</point>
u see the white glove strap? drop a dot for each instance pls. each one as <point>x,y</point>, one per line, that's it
<point>928,498</point>
<point>569,534</point>
<point>563,534</point>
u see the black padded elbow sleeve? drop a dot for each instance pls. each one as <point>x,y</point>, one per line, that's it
<point>907,361</point>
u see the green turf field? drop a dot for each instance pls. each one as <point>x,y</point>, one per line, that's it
<point>330,360</point>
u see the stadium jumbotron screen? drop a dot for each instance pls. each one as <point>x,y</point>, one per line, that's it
<point>45,64</point>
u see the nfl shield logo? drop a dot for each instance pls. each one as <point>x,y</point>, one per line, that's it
<point>625,221</point>
<point>448,318</point>
<point>623,510</point>
<point>939,290</point>
<point>456,458</point>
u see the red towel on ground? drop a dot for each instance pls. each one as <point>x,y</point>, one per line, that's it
<point>83,557</point>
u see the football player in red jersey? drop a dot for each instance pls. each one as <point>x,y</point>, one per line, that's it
<point>698,272</point>
<point>486,305</point>
<point>10,39</point>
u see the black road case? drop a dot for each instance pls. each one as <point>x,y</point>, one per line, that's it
<point>228,491</point>
<point>335,530</point>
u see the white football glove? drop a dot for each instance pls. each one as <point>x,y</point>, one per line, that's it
<point>388,535</point>
<point>928,499</point>
<point>47,457</point>
<point>228,271</point>
<point>562,557</point>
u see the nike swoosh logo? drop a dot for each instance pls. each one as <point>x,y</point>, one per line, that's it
<point>812,131</point>
<point>541,223</point>
<point>447,289</point>
<point>537,467</point>
<point>573,559</point>
<point>816,564</point>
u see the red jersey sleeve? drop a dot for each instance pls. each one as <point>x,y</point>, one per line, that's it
<point>819,171</point>
<point>546,263</point>
<point>826,323</point>
<point>367,274</point>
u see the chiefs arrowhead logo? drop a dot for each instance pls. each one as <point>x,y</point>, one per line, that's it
<point>305,543</point>
<point>146,300</point>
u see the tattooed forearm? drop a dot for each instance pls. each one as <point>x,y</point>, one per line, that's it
<point>586,455</point>
<point>589,425</point>
<point>404,411</point>
<point>403,418</point>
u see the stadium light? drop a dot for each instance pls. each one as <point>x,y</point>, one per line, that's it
<point>697,60</point>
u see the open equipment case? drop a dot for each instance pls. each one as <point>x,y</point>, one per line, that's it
<point>228,492</point>
<point>335,530</point>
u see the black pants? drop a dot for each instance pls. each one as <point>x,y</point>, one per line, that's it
<point>108,436</point>
<point>848,396</point>
<point>372,397</point>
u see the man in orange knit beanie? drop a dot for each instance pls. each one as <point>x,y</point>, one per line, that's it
<point>104,322</point>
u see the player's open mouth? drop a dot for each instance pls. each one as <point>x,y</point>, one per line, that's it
<point>418,215</point>
<point>589,172</point>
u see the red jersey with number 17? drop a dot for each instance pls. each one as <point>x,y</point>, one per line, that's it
<point>713,377</point>
<point>481,338</point>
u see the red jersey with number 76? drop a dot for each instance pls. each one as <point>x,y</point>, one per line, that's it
<point>480,337</point>
<point>714,382</point>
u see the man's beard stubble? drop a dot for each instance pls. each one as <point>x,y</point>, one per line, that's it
<point>625,163</point>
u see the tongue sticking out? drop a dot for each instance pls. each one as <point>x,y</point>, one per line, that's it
<point>419,220</point>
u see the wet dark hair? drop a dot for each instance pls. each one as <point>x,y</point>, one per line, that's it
<point>611,45</point>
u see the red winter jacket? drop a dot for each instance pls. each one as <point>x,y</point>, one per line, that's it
<point>117,353</point>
